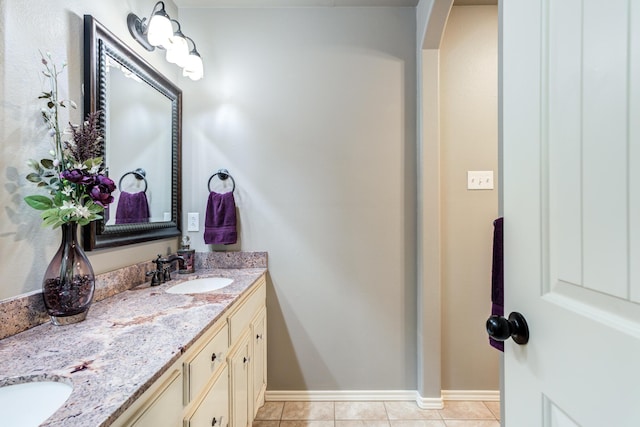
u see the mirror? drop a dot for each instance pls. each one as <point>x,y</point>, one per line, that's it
<point>141,120</point>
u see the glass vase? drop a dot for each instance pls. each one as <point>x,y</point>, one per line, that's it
<point>69,282</point>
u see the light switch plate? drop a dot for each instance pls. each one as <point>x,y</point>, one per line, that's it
<point>480,180</point>
<point>193,221</point>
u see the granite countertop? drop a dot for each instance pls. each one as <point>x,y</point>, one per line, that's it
<point>126,342</point>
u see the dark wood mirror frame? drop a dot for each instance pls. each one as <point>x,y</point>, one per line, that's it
<point>98,43</point>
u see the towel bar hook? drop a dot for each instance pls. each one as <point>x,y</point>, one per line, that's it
<point>223,175</point>
<point>140,174</point>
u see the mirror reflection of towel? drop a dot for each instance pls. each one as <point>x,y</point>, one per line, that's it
<point>220,219</point>
<point>132,208</point>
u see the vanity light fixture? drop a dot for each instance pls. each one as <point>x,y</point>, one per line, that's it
<point>179,50</point>
<point>158,32</point>
<point>193,67</point>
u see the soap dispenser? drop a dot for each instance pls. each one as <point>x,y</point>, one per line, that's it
<point>188,266</point>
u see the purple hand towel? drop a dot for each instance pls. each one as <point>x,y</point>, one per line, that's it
<point>220,220</point>
<point>497,277</point>
<point>132,208</point>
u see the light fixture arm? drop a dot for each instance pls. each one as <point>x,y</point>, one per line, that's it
<point>138,27</point>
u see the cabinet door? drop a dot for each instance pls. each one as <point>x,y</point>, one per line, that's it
<point>213,410</point>
<point>164,406</point>
<point>259,359</point>
<point>241,397</point>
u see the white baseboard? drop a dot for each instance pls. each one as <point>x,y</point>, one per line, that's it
<point>381,395</point>
<point>485,395</point>
<point>354,396</point>
<point>340,396</point>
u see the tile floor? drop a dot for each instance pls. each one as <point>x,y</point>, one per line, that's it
<point>377,414</point>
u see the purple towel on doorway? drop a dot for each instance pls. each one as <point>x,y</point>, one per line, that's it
<point>497,277</point>
<point>132,208</point>
<point>220,219</point>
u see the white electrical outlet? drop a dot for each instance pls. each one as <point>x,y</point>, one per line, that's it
<point>480,180</point>
<point>193,221</point>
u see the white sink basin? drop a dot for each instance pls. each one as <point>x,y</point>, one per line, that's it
<point>197,286</point>
<point>30,404</point>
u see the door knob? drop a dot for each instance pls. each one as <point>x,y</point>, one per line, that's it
<point>500,329</point>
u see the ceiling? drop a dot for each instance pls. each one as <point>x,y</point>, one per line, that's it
<point>316,3</point>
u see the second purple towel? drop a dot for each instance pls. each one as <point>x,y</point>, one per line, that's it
<point>220,219</point>
<point>497,277</point>
<point>132,208</point>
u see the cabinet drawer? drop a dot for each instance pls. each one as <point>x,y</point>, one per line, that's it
<point>213,410</point>
<point>239,319</point>
<point>206,361</point>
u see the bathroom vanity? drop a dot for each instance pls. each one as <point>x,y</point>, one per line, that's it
<point>219,381</point>
<point>147,357</point>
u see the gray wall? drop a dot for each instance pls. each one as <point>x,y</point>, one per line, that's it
<point>469,141</point>
<point>313,113</point>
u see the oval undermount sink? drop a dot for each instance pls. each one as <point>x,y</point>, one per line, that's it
<point>197,286</point>
<point>30,404</point>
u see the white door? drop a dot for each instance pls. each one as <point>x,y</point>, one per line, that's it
<point>571,163</point>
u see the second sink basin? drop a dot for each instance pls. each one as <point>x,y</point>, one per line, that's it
<point>197,286</point>
<point>29,404</point>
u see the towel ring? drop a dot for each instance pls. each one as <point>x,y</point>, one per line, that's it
<point>140,175</point>
<point>223,174</point>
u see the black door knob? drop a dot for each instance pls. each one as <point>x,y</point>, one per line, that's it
<point>500,329</point>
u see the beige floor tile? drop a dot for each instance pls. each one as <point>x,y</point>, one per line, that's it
<point>362,423</point>
<point>307,423</point>
<point>270,411</point>
<point>317,411</point>
<point>266,423</point>
<point>417,423</point>
<point>494,407</point>
<point>409,411</point>
<point>472,423</point>
<point>360,411</point>
<point>454,410</point>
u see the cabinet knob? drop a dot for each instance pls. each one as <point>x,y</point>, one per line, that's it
<point>213,359</point>
<point>258,336</point>
<point>215,421</point>
<point>245,360</point>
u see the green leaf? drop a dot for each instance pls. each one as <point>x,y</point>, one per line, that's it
<point>47,163</point>
<point>34,177</point>
<point>45,95</point>
<point>50,218</point>
<point>39,202</point>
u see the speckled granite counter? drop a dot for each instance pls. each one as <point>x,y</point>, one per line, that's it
<point>124,345</point>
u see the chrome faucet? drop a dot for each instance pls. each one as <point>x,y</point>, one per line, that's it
<point>162,273</point>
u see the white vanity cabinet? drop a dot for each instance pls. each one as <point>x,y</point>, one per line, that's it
<point>247,358</point>
<point>259,358</point>
<point>219,381</point>
<point>240,375</point>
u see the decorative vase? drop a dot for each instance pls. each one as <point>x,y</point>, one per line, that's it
<point>69,281</point>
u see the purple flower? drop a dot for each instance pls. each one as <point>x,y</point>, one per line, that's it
<point>76,176</point>
<point>101,190</point>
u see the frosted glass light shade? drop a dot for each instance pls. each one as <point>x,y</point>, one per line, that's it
<point>160,30</point>
<point>177,51</point>
<point>193,68</point>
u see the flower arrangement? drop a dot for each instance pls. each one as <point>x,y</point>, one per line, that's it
<point>78,188</point>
